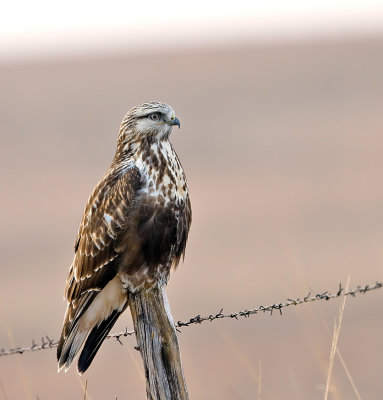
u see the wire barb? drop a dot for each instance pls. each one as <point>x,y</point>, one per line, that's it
<point>47,343</point>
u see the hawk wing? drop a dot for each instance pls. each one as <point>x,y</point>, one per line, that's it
<point>96,257</point>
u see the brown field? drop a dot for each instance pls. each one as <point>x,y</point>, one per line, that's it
<point>282,146</point>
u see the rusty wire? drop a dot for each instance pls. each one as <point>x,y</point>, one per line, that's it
<point>47,343</point>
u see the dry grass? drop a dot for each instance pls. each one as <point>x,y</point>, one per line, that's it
<point>246,363</point>
<point>334,343</point>
<point>259,381</point>
<point>20,369</point>
<point>86,386</point>
<point>356,392</point>
<point>3,391</point>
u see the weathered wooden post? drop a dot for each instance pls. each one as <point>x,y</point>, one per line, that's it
<point>157,340</point>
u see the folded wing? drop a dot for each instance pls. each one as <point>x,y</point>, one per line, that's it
<point>93,291</point>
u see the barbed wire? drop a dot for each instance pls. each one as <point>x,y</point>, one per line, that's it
<point>47,343</point>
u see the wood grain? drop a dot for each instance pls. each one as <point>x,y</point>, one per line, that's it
<point>158,344</point>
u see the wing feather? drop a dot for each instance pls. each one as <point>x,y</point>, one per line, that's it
<point>96,258</point>
<point>104,219</point>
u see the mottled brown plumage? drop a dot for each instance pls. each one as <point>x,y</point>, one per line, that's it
<point>134,229</point>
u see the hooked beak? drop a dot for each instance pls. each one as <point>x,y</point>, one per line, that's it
<point>175,121</point>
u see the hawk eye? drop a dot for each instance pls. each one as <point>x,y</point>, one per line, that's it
<point>155,116</point>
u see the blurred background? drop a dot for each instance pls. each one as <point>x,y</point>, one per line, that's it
<point>281,110</point>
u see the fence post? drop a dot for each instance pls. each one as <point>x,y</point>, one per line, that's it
<point>158,344</point>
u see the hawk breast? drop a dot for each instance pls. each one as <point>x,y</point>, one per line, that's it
<point>156,236</point>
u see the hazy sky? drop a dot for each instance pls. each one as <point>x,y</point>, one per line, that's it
<point>46,27</point>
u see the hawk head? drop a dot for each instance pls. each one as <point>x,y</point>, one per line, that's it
<point>153,121</point>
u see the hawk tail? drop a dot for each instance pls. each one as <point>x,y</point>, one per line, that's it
<point>95,339</point>
<point>91,325</point>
